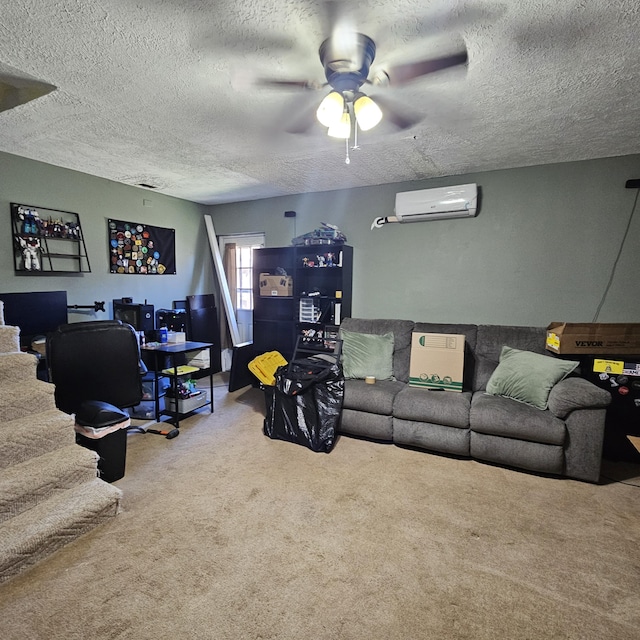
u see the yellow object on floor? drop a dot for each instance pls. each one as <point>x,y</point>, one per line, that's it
<point>264,366</point>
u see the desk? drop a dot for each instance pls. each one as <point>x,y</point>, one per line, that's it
<point>162,351</point>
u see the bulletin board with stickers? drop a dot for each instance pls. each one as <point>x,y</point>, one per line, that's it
<point>142,249</point>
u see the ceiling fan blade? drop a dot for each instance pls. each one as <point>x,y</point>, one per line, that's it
<point>287,84</point>
<point>336,15</point>
<point>301,116</point>
<point>399,116</point>
<point>402,73</point>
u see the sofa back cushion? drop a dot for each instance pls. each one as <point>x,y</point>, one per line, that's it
<point>491,339</point>
<point>401,330</point>
<point>470,333</point>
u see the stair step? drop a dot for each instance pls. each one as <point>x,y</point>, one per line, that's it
<point>17,367</point>
<point>38,532</point>
<point>23,486</point>
<point>9,339</point>
<point>25,397</point>
<point>28,436</point>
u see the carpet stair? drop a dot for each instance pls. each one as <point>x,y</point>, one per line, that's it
<point>25,398</point>
<point>9,338</point>
<point>29,436</point>
<point>37,533</point>
<point>23,486</point>
<point>50,492</point>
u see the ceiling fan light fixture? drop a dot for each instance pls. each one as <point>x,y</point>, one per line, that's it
<point>331,109</point>
<point>367,112</point>
<point>342,128</point>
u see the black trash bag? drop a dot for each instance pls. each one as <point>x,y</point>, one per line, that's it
<point>305,404</point>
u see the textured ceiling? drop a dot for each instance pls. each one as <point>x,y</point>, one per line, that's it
<point>159,91</point>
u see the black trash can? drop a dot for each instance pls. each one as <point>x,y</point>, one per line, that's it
<point>102,427</point>
<point>305,404</point>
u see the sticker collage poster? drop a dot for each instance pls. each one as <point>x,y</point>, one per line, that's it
<point>141,249</point>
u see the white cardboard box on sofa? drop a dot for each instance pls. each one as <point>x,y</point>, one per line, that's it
<point>437,361</point>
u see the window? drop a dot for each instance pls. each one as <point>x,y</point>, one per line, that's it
<point>241,286</point>
<point>244,276</point>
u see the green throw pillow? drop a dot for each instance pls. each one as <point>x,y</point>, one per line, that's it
<point>366,354</point>
<point>527,377</point>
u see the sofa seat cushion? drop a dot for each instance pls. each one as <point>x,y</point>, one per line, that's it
<point>520,454</point>
<point>498,416</point>
<point>437,407</point>
<point>366,425</point>
<point>373,398</point>
<point>432,437</point>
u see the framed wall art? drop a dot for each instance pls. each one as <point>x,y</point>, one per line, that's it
<point>142,249</point>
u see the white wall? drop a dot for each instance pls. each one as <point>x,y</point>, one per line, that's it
<point>96,200</point>
<point>541,249</point>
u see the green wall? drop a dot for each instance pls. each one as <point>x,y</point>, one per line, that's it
<point>95,200</point>
<point>541,249</point>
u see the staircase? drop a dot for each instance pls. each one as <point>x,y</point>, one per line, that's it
<point>50,493</point>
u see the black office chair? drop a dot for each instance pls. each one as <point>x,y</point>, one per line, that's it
<point>96,370</point>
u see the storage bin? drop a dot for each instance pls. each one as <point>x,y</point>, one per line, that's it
<point>264,366</point>
<point>185,405</point>
<point>146,409</point>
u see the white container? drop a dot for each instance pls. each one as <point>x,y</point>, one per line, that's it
<point>185,405</point>
<point>146,409</point>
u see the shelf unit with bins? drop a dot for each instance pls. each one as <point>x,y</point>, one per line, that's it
<point>164,361</point>
<point>47,241</point>
<point>323,270</point>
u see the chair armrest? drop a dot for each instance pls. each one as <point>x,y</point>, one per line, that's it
<point>576,393</point>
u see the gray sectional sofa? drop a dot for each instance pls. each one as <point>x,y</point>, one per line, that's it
<point>564,439</point>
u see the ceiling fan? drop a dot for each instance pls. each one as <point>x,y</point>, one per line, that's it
<point>346,57</point>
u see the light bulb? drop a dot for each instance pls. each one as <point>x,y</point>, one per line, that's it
<point>368,113</point>
<point>342,128</point>
<point>330,110</point>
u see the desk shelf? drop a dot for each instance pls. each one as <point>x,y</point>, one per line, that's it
<point>175,372</point>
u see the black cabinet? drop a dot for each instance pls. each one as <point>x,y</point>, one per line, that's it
<point>47,241</point>
<point>320,296</point>
<point>623,414</point>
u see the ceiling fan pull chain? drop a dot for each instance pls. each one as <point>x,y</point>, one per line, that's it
<point>347,159</point>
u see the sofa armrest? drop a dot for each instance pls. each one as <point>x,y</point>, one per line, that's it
<point>576,393</point>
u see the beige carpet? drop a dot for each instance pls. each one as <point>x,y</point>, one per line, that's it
<point>226,534</point>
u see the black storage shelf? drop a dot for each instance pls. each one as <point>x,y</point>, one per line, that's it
<point>277,321</point>
<point>47,241</point>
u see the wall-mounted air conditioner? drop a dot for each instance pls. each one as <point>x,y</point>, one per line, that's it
<point>459,201</point>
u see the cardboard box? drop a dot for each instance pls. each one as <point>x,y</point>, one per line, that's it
<point>593,338</point>
<point>635,441</point>
<point>437,361</point>
<point>275,285</point>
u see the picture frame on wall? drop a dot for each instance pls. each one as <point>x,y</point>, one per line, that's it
<point>142,249</point>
